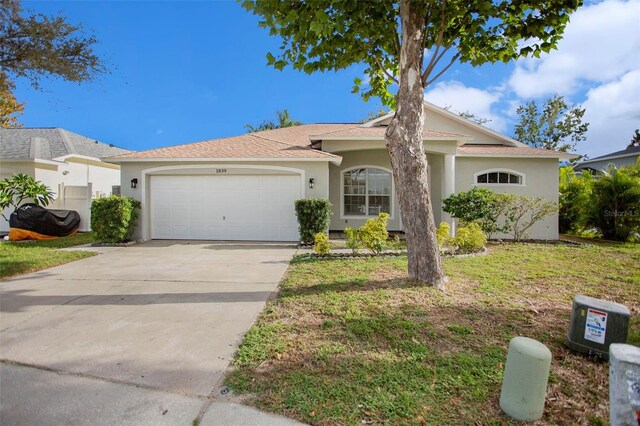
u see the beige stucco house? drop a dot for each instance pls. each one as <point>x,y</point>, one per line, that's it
<point>244,187</point>
<point>68,163</point>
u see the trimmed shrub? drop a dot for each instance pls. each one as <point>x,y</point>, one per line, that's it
<point>480,205</point>
<point>353,239</point>
<point>113,219</point>
<point>313,217</point>
<point>615,203</point>
<point>470,238</point>
<point>322,245</point>
<point>373,233</point>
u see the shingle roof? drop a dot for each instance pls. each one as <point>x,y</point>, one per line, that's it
<point>627,152</point>
<point>245,146</point>
<point>287,142</point>
<point>503,150</point>
<point>51,143</point>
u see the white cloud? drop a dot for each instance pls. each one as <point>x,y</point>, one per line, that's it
<point>613,111</point>
<point>461,98</point>
<point>600,44</point>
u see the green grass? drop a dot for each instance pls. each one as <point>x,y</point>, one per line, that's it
<point>30,256</point>
<point>354,342</point>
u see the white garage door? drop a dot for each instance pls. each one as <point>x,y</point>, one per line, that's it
<point>225,207</point>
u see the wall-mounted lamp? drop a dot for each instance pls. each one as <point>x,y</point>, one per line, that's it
<point>312,183</point>
<point>134,183</point>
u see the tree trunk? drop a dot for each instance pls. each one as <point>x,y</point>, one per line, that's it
<point>408,156</point>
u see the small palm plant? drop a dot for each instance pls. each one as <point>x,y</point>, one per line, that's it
<point>20,188</point>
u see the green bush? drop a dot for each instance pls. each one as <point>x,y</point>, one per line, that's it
<point>113,219</point>
<point>322,245</point>
<point>615,203</point>
<point>313,217</point>
<point>353,239</point>
<point>373,234</point>
<point>480,205</point>
<point>443,234</point>
<point>574,200</point>
<point>470,238</point>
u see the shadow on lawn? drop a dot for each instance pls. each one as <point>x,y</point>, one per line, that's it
<point>357,285</point>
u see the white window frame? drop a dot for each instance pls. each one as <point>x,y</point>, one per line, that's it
<point>523,177</point>
<point>392,196</point>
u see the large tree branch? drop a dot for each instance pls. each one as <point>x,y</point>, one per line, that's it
<point>453,60</point>
<point>434,61</point>
<point>384,70</point>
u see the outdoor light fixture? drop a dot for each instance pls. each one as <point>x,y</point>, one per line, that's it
<point>312,183</point>
<point>134,183</point>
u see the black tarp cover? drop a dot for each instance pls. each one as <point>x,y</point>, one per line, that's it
<point>55,223</point>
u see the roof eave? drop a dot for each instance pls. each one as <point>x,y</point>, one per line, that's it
<point>559,156</point>
<point>330,158</point>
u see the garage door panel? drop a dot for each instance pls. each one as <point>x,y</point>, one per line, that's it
<point>232,207</point>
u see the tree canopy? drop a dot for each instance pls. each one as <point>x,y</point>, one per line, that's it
<point>34,46</point>
<point>327,35</point>
<point>557,126</point>
<point>284,120</point>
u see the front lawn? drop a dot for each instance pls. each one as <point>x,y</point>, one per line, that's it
<point>21,257</point>
<point>355,342</point>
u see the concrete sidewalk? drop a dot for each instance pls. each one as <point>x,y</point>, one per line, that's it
<point>133,333</point>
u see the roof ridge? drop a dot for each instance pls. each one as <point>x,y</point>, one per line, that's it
<point>355,125</point>
<point>295,146</point>
<point>68,145</point>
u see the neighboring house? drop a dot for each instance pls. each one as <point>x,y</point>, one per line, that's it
<point>625,157</point>
<point>244,187</point>
<point>68,163</point>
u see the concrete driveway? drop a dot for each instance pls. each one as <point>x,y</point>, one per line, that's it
<point>139,334</point>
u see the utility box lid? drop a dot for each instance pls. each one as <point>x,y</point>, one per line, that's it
<point>596,324</point>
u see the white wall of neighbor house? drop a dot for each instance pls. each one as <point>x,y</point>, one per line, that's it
<point>70,173</point>
<point>541,180</point>
<point>142,171</point>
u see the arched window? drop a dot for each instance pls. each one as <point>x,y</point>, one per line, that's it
<point>499,177</point>
<point>366,191</point>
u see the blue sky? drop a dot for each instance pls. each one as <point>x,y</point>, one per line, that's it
<point>189,71</point>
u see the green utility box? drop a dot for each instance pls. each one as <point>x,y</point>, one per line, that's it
<point>596,324</point>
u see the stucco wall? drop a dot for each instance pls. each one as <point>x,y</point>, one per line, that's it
<point>380,158</point>
<point>318,170</point>
<point>541,181</point>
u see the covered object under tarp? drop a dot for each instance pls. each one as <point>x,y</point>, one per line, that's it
<point>31,221</point>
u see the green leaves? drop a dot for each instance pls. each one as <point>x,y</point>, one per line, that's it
<point>113,219</point>
<point>324,35</point>
<point>313,217</point>
<point>557,126</point>
<point>39,45</point>
<point>22,187</point>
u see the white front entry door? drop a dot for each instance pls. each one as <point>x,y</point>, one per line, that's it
<point>225,207</point>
